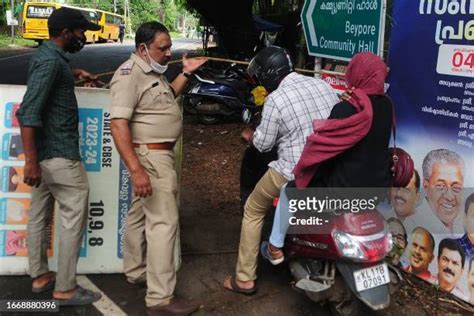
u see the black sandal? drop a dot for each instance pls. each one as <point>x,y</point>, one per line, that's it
<point>47,287</point>
<point>237,289</point>
<point>80,297</point>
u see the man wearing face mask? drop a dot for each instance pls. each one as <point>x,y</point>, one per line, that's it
<point>146,122</point>
<point>48,118</point>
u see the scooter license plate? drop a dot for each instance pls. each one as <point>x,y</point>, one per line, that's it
<point>369,278</point>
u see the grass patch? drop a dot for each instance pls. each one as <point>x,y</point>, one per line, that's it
<point>6,40</point>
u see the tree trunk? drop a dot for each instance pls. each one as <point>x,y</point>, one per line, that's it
<point>301,52</point>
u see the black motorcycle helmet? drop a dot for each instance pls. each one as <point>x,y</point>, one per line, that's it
<point>270,66</point>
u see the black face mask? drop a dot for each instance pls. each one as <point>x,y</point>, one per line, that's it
<point>75,44</point>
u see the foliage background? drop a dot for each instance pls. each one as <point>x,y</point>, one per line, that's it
<point>175,13</point>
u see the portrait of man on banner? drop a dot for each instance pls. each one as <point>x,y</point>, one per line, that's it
<point>451,261</point>
<point>420,253</point>
<point>403,201</point>
<point>443,181</point>
<point>470,280</point>
<point>400,242</point>
<point>467,240</point>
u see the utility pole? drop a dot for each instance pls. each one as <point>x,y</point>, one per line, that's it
<point>12,3</point>
<point>126,13</point>
<point>162,12</point>
<point>184,24</point>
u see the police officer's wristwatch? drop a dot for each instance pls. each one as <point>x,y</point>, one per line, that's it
<point>187,74</point>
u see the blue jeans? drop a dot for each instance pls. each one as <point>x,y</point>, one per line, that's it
<point>281,222</point>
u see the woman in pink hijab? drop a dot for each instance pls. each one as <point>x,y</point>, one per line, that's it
<point>349,149</point>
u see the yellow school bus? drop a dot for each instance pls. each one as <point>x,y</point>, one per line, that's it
<point>109,25</point>
<point>92,16</point>
<point>35,20</point>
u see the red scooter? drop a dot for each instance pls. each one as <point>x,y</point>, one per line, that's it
<point>342,265</point>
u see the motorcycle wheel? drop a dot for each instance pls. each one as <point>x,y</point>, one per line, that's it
<point>344,303</point>
<point>188,106</point>
<point>208,119</point>
<point>395,279</point>
<point>351,307</point>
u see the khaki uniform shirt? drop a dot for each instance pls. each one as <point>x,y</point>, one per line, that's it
<point>147,101</point>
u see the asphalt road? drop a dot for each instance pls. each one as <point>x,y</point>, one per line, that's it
<point>95,58</point>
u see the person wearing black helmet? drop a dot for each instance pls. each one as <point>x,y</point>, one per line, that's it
<point>48,118</point>
<point>290,108</point>
<point>270,66</point>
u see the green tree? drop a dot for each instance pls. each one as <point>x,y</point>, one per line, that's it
<point>141,11</point>
<point>106,5</point>
<point>4,6</point>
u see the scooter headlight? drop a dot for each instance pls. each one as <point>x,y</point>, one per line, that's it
<point>348,246</point>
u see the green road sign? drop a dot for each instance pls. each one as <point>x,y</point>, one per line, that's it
<point>341,28</point>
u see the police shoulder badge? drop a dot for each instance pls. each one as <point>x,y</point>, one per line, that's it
<point>126,68</point>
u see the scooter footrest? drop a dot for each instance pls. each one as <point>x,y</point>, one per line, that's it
<point>311,286</point>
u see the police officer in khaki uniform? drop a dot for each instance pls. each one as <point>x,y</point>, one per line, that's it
<point>146,122</point>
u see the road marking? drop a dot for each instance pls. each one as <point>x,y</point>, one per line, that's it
<point>15,56</point>
<point>105,305</point>
<point>186,45</point>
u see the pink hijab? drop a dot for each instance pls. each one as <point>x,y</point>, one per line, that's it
<point>366,73</point>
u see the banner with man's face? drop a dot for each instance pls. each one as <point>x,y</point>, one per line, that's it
<point>431,60</point>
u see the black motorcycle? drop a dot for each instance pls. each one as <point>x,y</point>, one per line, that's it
<point>215,94</point>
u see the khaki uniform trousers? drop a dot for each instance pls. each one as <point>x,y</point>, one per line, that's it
<point>151,229</point>
<point>66,182</point>
<point>256,207</point>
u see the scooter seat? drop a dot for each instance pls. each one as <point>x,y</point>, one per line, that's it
<point>237,85</point>
<point>211,74</point>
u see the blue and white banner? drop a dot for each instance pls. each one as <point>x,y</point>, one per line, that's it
<point>110,188</point>
<point>431,60</point>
